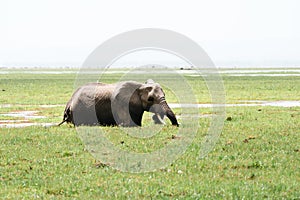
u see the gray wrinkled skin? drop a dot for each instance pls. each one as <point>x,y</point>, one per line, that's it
<point>120,104</point>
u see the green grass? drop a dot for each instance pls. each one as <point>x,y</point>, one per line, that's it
<point>262,88</point>
<point>256,157</point>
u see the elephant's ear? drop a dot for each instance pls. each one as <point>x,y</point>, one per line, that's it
<point>125,90</point>
<point>144,93</point>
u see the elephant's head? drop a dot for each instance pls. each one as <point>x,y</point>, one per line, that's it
<point>153,100</point>
<point>130,99</point>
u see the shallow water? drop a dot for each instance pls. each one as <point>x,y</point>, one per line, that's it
<point>267,75</point>
<point>24,114</point>
<point>27,115</point>
<point>22,125</point>
<point>27,105</point>
<point>244,104</point>
<point>251,71</point>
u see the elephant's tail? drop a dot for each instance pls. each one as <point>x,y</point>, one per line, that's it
<point>64,120</point>
<point>67,114</point>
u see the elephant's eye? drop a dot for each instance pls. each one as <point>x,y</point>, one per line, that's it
<point>150,99</point>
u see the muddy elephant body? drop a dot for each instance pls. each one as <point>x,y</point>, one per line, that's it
<point>117,104</point>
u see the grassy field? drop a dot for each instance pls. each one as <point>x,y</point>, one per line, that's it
<point>256,157</point>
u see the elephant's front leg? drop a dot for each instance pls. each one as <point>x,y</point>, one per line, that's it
<point>122,118</point>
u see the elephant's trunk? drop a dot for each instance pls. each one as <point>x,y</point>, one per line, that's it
<point>168,111</point>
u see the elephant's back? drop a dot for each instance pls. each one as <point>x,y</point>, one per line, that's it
<point>93,93</point>
<point>94,89</point>
<point>91,104</point>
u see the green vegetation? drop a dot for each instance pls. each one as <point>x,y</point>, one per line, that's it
<point>257,155</point>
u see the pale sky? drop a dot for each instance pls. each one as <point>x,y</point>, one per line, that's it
<point>232,32</point>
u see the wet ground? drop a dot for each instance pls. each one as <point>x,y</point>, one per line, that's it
<point>19,119</point>
<point>242,104</point>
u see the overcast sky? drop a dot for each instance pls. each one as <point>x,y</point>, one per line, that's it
<point>232,32</point>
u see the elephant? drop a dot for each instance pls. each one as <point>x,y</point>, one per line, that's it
<point>121,104</point>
